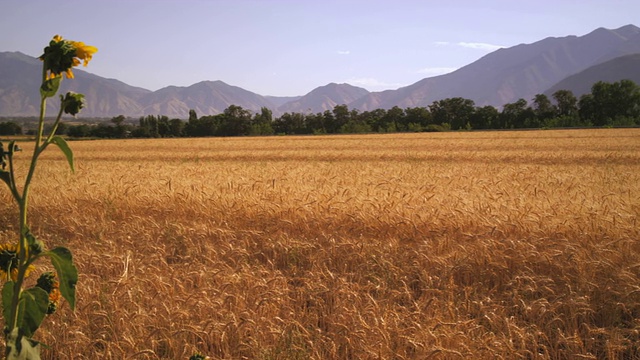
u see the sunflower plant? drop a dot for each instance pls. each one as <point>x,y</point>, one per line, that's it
<point>24,308</point>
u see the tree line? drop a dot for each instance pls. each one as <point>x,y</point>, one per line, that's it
<point>608,104</point>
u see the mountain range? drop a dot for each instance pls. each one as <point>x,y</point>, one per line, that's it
<point>503,76</point>
<point>623,67</point>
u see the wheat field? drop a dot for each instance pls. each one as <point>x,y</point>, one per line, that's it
<point>465,245</point>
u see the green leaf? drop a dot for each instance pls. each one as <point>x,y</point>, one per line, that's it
<point>67,273</point>
<point>50,87</point>
<point>62,144</point>
<point>34,303</point>
<point>7,296</point>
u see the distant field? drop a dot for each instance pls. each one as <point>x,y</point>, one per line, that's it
<point>478,245</point>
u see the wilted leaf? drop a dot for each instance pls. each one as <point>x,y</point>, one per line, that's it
<point>20,347</point>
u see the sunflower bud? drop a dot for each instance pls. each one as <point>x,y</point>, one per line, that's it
<point>49,283</point>
<point>52,307</point>
<point>36,248</point>
<point>72,103</point>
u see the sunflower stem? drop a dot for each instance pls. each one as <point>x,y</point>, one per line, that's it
<point>23,253</point>
<point>54,128</point>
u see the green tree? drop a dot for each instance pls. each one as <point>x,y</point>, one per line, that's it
<point>393,119</point>
<point>147,127</point>
<point>543,108</point>
<point>588,111</point>
<point>566,103</point>
<point>234,121</point>
<point>486,117</point>
<point>104,131</point>
<point>119,130</point>
<point>118,120</point>
<point>176,128</point>
<point>456,112</point>
<point>329,122</point>
<point>341,116</point>
<point>375,119</point>
<point>210,125</point>
<point>604,103</point>
<point>355,124</point>
<point>79,131</point>
<point>62,128</point>
<point>517,115</point>
<point>262,123</point>
<point>417,118</point>
<point>192,115</point>
<point>11,128</point>
<point>315,124</point>
<point>195,127</point>
<point>615,102</point>
<point>612,103</point>
<point>164,129</point>
<point>290,123</point>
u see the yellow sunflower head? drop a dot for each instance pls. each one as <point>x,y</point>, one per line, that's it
<point>62,55</point>
<point>83,52</point>
<point>9,262</point>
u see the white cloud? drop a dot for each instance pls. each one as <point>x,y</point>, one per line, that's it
<point>471,45</point>
<point>433,71</point>
<point>343,52</point>
<point>372,83</point>
<point>480,46</point>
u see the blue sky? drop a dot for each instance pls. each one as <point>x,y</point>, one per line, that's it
<point>290,47</point>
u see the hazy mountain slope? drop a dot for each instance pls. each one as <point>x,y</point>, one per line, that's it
<point>628,47</point>
<point>206,98</point>
<point>20,81</point>
<point>281,100</point>
<point>500,77</point>
<point>506,75</point>
<point>106,97</point>
<point>324,98</point>
<point>624,67</point>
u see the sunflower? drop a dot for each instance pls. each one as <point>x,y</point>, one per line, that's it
<point>9,262</point>
<point>83,52</point>
<point>62,55</point>
<point>48,282</point>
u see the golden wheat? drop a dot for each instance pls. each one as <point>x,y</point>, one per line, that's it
<point>406,246</point>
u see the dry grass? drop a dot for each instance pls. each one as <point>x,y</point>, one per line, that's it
<point>494,245</point>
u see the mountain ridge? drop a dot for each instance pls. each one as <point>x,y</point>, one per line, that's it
<point>324,98</point>
<point>625,67</point>
<point>507,74</point>
<point>497,78</point>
